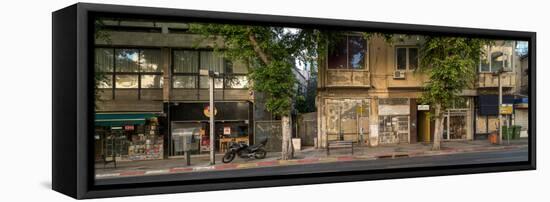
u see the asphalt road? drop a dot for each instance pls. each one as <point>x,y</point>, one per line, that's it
<point>405,162</point>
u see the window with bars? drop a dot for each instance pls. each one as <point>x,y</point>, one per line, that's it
<point>187,63</point>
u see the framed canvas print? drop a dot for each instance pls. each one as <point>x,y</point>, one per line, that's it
<point>158,100</point>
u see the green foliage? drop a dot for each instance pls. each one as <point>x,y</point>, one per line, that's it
<point>305,101</point>
<point>271,51</point>
<point>277,80</point>
<point>451,64</point>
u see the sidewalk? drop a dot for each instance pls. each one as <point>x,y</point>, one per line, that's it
<point>305,156</point>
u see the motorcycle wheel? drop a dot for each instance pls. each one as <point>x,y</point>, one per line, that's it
<point>228,157</point>
<point>260,154</point>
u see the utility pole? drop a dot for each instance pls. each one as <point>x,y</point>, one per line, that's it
<point>499,107</point>
<point>211,111</point>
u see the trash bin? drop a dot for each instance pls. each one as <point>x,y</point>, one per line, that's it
<point>506,132</point>
<point>516,132</point>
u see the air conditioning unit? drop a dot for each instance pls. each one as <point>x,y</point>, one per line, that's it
<point>399,75</point>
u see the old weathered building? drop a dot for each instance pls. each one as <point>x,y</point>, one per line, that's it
<point>368,92</point>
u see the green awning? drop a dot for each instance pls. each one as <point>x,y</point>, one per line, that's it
<point>122,119</point>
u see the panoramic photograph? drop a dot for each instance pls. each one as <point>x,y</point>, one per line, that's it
<point>179,100</point>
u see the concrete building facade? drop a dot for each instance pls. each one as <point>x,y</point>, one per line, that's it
<point>151,72</point>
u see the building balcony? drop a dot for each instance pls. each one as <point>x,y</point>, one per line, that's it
<point>347,78</point>
<point>488,80</point>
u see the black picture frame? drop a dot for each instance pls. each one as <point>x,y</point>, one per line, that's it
<point>72,105</point>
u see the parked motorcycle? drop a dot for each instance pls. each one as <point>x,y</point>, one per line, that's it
<point>256,151</point>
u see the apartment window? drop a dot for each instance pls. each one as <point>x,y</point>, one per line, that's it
<point>348,53</point>
<point>129,68</point>
<point>406,58</point>
<point>185,69</point>
<point>104,65</point>
<point>187,63</point>
<point>496,58</point>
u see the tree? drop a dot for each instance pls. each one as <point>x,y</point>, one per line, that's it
<point>450,63</point>
<point>305,101</point>
<point>272,52</point>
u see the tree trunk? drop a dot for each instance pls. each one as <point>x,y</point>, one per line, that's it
<point>287,149</point>
<point>438,132</point>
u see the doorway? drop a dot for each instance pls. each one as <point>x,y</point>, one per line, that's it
<point>424,127</point>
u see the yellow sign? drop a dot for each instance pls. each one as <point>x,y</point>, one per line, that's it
<point>506,109</point>
<point>206,111</point>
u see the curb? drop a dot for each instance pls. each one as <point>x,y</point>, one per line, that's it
<point>272,163</point>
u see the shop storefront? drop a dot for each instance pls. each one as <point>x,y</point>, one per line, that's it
<point>190,128</point>
<point>394,121</point>
<point>128,136</point>
<point>486,116</point>
<point>347,119</point>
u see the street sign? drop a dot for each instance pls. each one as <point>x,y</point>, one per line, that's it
<point>506,109</point>
<point>423,107</point>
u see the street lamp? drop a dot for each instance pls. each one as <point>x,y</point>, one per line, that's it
<point>211,110</point>
<point>499,73</point>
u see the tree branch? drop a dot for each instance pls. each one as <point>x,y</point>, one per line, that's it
<point>257,48</point>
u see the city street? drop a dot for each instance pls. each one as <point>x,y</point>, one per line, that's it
<point>511,155</point>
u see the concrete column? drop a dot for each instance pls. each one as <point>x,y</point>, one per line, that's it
<point>166,75</point>
<point>373,122</point>
<point>321,123</point>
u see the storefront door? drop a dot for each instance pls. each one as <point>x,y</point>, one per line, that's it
<point>424,134</point>
<point>185,137</point>
<point>393,129</point>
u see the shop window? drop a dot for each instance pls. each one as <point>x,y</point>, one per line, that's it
<point>349,53</point>
<point>393,129</point>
